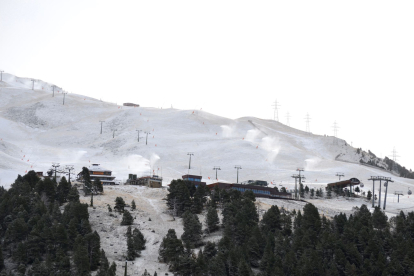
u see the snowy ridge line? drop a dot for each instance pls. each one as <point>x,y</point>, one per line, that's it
<point>367,165</point>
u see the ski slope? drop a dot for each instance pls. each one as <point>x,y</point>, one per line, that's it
<point>36,130</point>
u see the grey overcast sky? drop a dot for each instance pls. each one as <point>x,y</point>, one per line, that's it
<point>346,61</point>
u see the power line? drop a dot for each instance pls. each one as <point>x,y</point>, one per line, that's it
<point>217,169</point>
<point>288,118</point>
<point>238,168</point>
<point>275,106</point>
<point>307,119</point>
<point>101,125</point>
<point>189,163</point>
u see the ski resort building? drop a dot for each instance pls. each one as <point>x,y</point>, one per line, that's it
<point>255,183</point>
<point>194,179</point>
<point>345,183</point>
<point>150,181</point>
<point>258,191</point>
<point>97,172</point>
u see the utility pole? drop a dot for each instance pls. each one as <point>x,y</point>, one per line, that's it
<point>138,133</point>
<point>126,269</point>
<point>113,134</point>
<point>340,175</point>
<point>288,118</point>
<point>275,106</point>
<point>189,164</point>
<point>238,168</point>
<point>217,169</point>
<point>335,128</point>
<point>307,119</point>
<point>101,125</point>
<point>1,75</point>
<point>53,87</point>
<point>64,94</point>
<point>33,81</point>
<point>146,140</point>
<point>55,166</point>
<point>69,168</point>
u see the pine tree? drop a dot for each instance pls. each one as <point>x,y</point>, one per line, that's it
<point>312,193</point>
<point>1,259</point>
<point>73,195</point>
<point>369,195</point>
<point>301,190</point>
<point>171,248</point>
<point>119,204</point>
<point>63,190</point>
<point>80,256</point>
<point>212,220</point>
<point>104,264</point>
<point>127,218</point>
<point>133,205</point>
<point>192,230</point>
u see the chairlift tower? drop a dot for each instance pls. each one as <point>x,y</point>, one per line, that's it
<point>339,174</point>
<point>55,166</point>
<point>101,125</point>
<point>216,169</point>
<point>33,81</point>
<point>380,179</point>
<point>69,168</point>
<point>189,163</point>
<point>296,177</point>
<point>138,133</point>
<point>398,193</point>
<point>238,168</point>
<point>275,106</point>
<point>146,139</point>
<point>64,94</point>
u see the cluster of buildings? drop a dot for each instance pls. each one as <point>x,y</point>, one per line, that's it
<point>258,187</point>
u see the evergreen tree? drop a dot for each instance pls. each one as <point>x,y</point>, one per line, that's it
<point>63,190</point>
<point>119,204</point>
<point>369,195</point>
<point>301,190</point>
<point>80,256</point>
<point>86,178</point>
<point>178,198</point>
<point>329,192</point>
<point>171,248</point>
<point>312,193</point>
<point>192,230</point>
<point>212,220</point>
<point>133,205</point>
<point>73,195</point>
<point>271,221</point>
<point>127,218</point>
<point>307,189</point>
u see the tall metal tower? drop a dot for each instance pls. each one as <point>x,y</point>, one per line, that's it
<point>138,133</point>
<point>296,177</point>
<point>69,168</point>
<point>288,118</point>
<point>33,81</point>
<point>146,139</point>
<point>335,128</point>
<point>101,125</point>
<point>64,94</point>
<point>189,163</point>
<point>217,169</point>
<point>55,166</point>
<point>307,119</point>
<point>275,106</point>
<point>394,158</point>
<point>238,168</point>
<point>339,174</point>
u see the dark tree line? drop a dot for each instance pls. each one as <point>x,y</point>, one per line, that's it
<point>290,243</point>
<point>38,239</point>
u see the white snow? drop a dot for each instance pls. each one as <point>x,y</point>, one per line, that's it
<point>36,129</point>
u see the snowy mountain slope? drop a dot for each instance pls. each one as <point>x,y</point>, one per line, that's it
<point>36,129</point>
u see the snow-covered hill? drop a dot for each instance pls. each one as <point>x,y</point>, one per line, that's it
<point>36,129</point>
